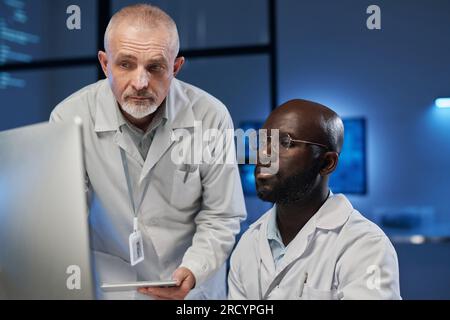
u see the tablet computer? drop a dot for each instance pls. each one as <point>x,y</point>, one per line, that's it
<point>136,285</point>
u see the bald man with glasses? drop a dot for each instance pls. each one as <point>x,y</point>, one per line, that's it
<point>312,244</point>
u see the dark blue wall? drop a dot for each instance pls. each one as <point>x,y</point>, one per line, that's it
<point>390,76</point>
<point>325,53</point>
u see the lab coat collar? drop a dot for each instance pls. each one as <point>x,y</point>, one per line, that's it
<point>334,212</point>
<point>106,106</point>
<point>273,233</point>
<point>178,107</point>
<point>332,215</point>
<point>177,110</point>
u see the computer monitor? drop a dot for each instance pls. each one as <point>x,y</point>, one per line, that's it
<point>350,176</point>
<point>44,237</point>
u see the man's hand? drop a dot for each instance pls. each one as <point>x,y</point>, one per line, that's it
<point>185,282</point>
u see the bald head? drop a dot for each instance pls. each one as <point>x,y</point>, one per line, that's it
<point>143,16</point>
<point>313,122</point>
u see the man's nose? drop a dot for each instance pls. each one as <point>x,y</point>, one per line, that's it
<point>140,80</point>
<point>264,151</point>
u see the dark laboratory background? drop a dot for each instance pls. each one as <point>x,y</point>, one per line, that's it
<point>256,54</point>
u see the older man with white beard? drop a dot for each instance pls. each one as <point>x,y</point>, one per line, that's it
<point>186,215</point>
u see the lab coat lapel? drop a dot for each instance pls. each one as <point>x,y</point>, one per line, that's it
<point>126,144</point>
<point>295,251</point>
<point>267,264</point>
<point>161,143</point>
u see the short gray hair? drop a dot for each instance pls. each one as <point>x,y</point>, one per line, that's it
<point>148,16</point>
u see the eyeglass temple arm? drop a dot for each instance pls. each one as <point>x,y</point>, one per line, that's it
<point>309,142</point>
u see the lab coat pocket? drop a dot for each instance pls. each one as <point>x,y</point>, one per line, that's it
<point>186,187</point>
<point>310,293</point>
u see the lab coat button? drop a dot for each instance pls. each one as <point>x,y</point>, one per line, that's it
<point>153,221</point>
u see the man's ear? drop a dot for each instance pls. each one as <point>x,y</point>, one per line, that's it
<point>177,65</point>
<point>103,59</point>
<point>330,162</point>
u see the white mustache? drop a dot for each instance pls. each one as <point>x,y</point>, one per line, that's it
<point>139,96</point>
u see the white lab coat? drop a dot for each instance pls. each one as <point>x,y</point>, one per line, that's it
<point>338,254</point>
<point>185,222</point>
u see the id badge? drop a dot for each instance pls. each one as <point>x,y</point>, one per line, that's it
<point>136,248</point>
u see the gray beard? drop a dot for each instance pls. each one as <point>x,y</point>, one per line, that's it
<point>138,111</point>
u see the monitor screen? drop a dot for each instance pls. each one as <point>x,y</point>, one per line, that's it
<point>350,175</point>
